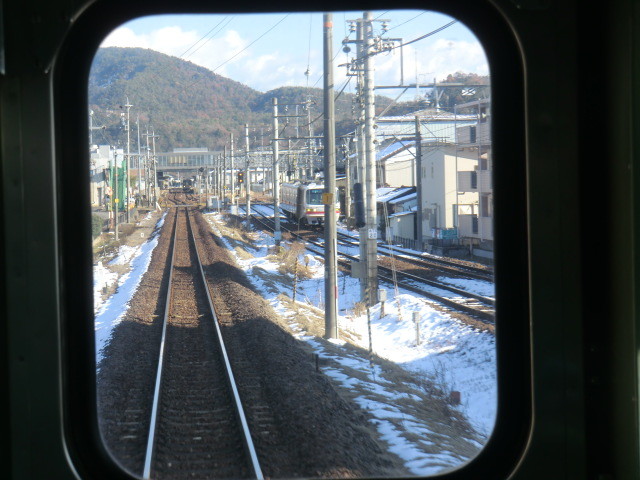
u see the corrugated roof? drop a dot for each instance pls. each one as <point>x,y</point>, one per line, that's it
<point>403,198</point>
<point>401,214</point>
<point>393,193</point>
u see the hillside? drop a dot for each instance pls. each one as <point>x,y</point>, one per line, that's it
<point>190,106</point>
<point>187,105</point>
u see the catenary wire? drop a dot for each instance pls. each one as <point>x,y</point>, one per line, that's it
<point>201,39</point>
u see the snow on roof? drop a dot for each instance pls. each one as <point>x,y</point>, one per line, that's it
<point>381,191</point>
<point>394,147</point>
<point>401,214</point>
<point>403,198</point>
<point>392,193</point>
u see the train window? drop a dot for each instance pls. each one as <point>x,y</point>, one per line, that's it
<point>225,344</point>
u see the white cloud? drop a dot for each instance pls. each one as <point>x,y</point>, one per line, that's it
<point>436,59</point>
<point>172,40</point>
<point>226,54</point>
<point>125,37</point>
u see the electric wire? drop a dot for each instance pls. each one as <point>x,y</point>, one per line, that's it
<point>437,30</point>
<point>202,38</point>
<point>406,21</point>
<point>245,48</point>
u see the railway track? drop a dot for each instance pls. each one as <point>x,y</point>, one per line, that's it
<point>462,268</point>
<point>422,260</point>
<point>198,427</point>
<point>460,300</point>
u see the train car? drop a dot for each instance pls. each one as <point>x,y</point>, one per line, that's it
<point>564,79</point>
<point>187,185</point>
<point>302,202</point>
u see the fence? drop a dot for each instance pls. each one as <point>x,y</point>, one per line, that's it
<point>122,218</point>
<point>409,243</point>
<point>428,244</point>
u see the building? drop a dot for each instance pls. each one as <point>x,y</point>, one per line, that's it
<point>100,159</point>
<point>442,201</point>
<point>476,222</point>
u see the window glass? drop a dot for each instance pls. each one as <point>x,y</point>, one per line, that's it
<point>225,113</point>
<point>314,197</point>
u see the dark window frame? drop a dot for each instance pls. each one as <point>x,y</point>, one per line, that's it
<point>507,446</point>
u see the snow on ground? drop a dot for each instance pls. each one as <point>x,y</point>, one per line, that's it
<point>110,312</point>
<point>448,352</point>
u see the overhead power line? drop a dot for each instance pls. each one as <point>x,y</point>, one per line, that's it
<point>426,35</point>
<point>203,37</point>
<point>269,30</point>
<point>208,39</point>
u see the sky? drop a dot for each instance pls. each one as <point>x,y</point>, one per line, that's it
<point>267,51</point>
<point>462,358</point>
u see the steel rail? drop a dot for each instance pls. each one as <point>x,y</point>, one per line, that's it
<point>146,474</point>
<point>486,315</point>
<point>248,442</point>
<point>416,259</point>
<point>420,260</point>
<point>457,291</point>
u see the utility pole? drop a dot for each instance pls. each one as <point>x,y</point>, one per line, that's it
<point>233,180</point>
<point>126,201</point>
<point>147,170</point>
<point>419,183</point>
<point>277,234</point>
<point>116,200</point>
<point>360,152</point>
<point>370,157</point>
<point>330,234</point>
<point>309,169</point>
<point>247,181</point>
<point>155,168</point>
<point>139,161</point>
<point>224,171</point>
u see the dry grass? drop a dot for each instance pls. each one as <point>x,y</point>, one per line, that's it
<point>426,400</point>
<point>287,256</point>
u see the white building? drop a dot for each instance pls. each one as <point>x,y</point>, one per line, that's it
<point>101,157</point>
<point>397,164</point>
<point>442,200</point>
<point>477,223</point>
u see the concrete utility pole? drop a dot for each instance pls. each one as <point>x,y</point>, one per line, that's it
<point>277,234</point>
<point>233,180</point>
<point>128,161</point>
<point>148,170</point>
<point>370,159</point>
<point>155,168</point>
<point>419,183</point>
<point>139,160</point>
<point>247,180</point>
<point>360,154</point>
<point>115,195</point>
<point>224,172</point>
<point>330,233</point>
<point>309,166</point>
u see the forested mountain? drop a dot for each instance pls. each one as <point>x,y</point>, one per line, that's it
<point>185,104</point>
<point>190,106</point>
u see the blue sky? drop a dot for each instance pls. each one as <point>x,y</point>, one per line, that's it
<point>266,51</point>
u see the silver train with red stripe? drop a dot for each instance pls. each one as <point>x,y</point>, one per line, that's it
<point>302,202</point>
